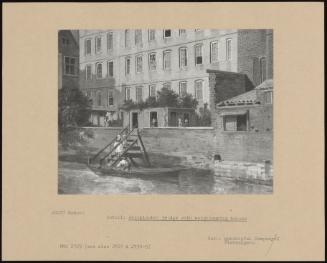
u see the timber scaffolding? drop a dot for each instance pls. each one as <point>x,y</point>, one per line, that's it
<point>133,147</point>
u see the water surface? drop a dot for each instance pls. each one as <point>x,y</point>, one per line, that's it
<point>76,178</point>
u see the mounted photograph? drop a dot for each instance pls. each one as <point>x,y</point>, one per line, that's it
<point>165,111</point>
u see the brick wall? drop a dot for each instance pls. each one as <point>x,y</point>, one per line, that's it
<point>245,146</point>
<point>102,136</point>
<point>225,85</point>
<point>172,140</point>
<point>252,45</point>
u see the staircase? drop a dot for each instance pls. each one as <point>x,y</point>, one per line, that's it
<point>133,147</point>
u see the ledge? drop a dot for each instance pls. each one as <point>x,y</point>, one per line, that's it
<point>180,128</point>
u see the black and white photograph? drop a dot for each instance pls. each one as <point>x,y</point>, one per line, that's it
<point>165,111</point>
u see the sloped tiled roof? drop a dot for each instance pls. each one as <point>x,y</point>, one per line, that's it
<point>267,84</point>
<point>249,97</point>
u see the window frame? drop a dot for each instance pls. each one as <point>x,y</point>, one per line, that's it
<point>97,50</point>
<point>180,32</point>
<point>164,33</point>
<point>85,46</point>
<point>236,120</point>
<point>263,74</point>
<point>96,70</point>
<point>149,35</point>
<point>128,58</point>
<point>136,63</point>
<point>111,98</point>
<point>127,36</point>
<point>155,61</point>
<point>211,51</point>
<point>112,41</point>
<point>137,94</point>
<point>195,89</point>
<point>155,90</point>
<point>180,88</point>
<point>138,38</point>
<point>108,68</point>
<point>195,55</point>
<point>97,98</point>
<point>86,71</point>
<point>127,93</point>
<point>163,59</point>
<point>75,66</point>
<point>180,57</point>
<point>228,49</point>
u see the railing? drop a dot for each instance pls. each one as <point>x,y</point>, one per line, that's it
<point>125,151</point>
<point>109,144</point>
<point>116,146</point>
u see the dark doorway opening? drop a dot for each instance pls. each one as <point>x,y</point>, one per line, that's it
<point>153,119</point>
<point>135,120</point>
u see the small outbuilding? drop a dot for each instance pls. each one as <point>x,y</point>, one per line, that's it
<point>159,117</point>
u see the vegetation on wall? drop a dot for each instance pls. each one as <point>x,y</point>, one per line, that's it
<point>165,98</point>
<point>203,117</point>
<point>74,110</point>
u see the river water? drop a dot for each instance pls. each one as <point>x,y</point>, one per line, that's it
<point>76,178</point>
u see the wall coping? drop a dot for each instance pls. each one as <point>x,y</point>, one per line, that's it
<point>180,128</point>
<point>104,128</point>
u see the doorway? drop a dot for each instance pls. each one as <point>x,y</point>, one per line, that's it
<point>153,119</point>
<point>135,120</point>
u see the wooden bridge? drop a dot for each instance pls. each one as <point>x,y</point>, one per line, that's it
<point>132,145</point>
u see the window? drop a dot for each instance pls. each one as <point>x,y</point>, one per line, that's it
<point>127,93</point>
<point>139,94</point>
<point>167,33</point>
<point>70,66</point>
<point>99,98</point>
<point>138,36</point>
<point>167,60</point>
<point>228,49</point>
<point>183,57</point>
<point>88,72</point>
<point>152,61</point>
<point>65,41</point>
<point>182,32</point>
<point>127,65</point>
<point>182,88</point>
<point>152,91</point>
<point>167,85</point>
<point>268,96</point>
<point>97,44</point>
<point>99,70</point>
<point>87,46</point>
<point>262,69</point>
<point>110,68</point>
<point>152,35</point>
<point>110,41</point>
<point>198,54</point>
<point>110,98</point>
<point>235,122</point>
<point>127,38</point>
<point>214,52</point>
<point>199,90</point>
<point>139,63</point>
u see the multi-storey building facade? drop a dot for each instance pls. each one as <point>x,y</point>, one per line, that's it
<point>118,65</point>
<point>68,59</point>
